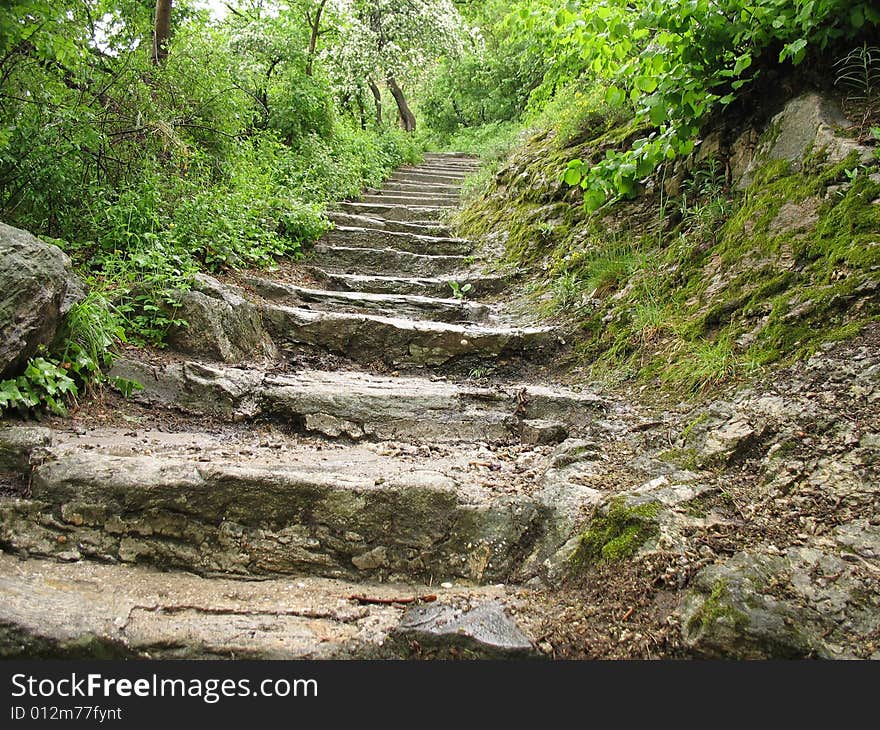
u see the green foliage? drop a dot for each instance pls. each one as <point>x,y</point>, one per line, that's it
<point>91,329</point>
<point>84,346</point>
<point>44,384</point>
<point>459,291</point>
<point>859,73</point>
<point>675,61</point>
<point>222,157</point>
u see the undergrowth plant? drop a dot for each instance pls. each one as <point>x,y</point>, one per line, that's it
<point>84,348</point>
<point>859,73</point>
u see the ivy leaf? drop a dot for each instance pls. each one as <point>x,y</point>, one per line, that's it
<point>794,50</point>
<point>657,112</point>
<point>857,17</point>
<point>646,84</point>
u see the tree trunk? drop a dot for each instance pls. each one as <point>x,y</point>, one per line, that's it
<point>161,30</point>
<point>361,112</point>
<point>315,24</point>
<point>377,98</point>
<point>407,118</point>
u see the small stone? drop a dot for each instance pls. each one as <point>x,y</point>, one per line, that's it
<point>486,631</point>
<point>540,431</point>
<point>371,560</point>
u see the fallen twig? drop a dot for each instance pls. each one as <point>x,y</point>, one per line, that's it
<point>390,601</point>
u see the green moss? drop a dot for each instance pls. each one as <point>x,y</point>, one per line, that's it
<point>717,608</point>
<point>685,458</point>
<point>617,534</point>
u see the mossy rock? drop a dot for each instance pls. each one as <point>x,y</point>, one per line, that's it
<point>616,533</point>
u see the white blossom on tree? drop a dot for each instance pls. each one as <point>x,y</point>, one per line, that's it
<point>392,42</point>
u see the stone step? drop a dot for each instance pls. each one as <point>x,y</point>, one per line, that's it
<point>84,610</point>
<point>400,305</point>
<point>425,228</point>
<point>443,166</point>
<point>463,156</point>
<point>395,211</point>
<point>254,505</point>
<point>416,191</point>
<point>385,261</point>
<point>358,405</point>
<point>451,165</point>
<point>428,200</point>
<point>394,340</point>
<point>414,243</point>
<point>447,169</point>
<point>422,187</point>
<point>423,286</point>
<point>411,176</point>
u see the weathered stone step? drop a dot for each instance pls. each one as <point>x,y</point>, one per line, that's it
<point>395,211</point>
<point>421,187</point>
<point>453,155</point>
<point>271,506</point>
<point>367,338</point>
<point>443,166</point>
<point>428,200</point>
<point>400,305</point>
<point>425,228</point>
<point>404,175</point>
<point>83,610</point>
<point>412,242</point>
<point>358,405</point>
<point>385,261</point>
<point>424,286</point>
<point>442,169</point>
<point>416,192</point>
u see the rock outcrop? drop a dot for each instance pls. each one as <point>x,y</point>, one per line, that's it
<point>37,288</point>
<point>220,324</point>
<point>809,125</point>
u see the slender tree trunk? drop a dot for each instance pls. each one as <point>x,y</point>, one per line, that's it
<point>377,98</point>
<point>315,24</point>
<point>407,118</point>
<point>161,30</point>
<point>361,112</point>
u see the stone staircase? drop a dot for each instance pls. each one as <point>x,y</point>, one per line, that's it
<point>289,511</point>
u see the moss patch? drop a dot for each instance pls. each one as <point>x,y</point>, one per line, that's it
<point>617,534</point>
<point>716,608</point>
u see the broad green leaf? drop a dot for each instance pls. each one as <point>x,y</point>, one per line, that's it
<point>857,17</point>
<point>657,113</point>
<point>742,63</point>
<point>594,199</point>
<point>614,96</point>
<point>646,84</point>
